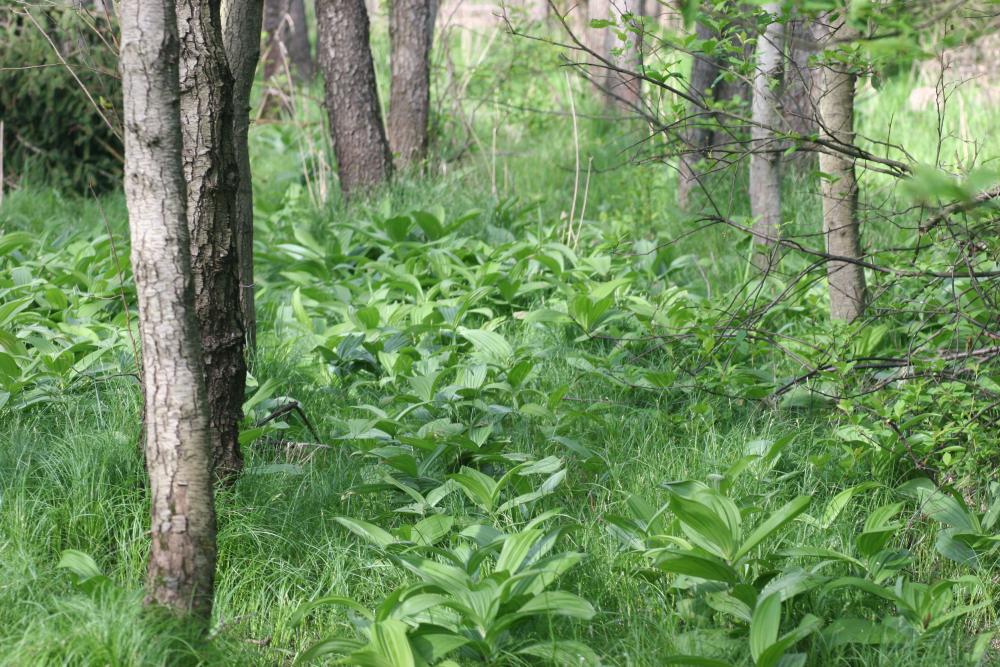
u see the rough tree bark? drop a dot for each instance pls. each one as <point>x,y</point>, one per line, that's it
<point>241,37</point>
<point>410,34</point>
<point>697,136</point>
<point>212,175</point>
<point>182,552</point>
<point>359,142</point>
<point>765,158</point>
<point>839,188</point>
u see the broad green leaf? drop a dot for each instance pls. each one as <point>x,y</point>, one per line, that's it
<point>478,487</point>
<point>696,566</point>
<point>704,526</point>
<point>326,601</point>
<point>430,530</point>
<point>515,550</point>
<point>369,531</point>
<point>765,624</point>
<point>563,652</point>
<point>774,522</point>
<point>433,646</point>
<point>560,603</point>
<point>389,636</point>
<point>489,345</point>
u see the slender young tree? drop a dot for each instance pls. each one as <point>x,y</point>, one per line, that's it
<point>411,31</point>
<point>182,551</point>
<point>241,37</point>
<point>359,142</point>
<point>765,158</point>
<point>839,188</point>
<point>212,175</point>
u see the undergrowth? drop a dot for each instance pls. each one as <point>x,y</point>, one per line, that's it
<point>519,450</point>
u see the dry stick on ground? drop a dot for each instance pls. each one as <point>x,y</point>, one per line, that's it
<point>291,406</point>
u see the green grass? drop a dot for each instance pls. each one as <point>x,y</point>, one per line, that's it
<point>71,473</point>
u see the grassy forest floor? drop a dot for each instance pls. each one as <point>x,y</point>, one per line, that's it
<point>445,312</point>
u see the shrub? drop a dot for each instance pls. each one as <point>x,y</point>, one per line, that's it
<point>55,134</point>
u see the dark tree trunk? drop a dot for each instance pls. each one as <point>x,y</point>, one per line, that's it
<point>181,567</point>
<point>212,174</point>
<point>411,33</point>
<point>241,35</point>
<point>359,142</point>
<point>697,135</point>
<point>287,38</point>
<point>798,109</point>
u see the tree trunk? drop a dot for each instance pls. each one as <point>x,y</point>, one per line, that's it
<point>797,94</point>
<point>182,551</point>
<point>623,92</point>
<point>765,158</point>
<point>241,37</point>
<point>410,33</point>
<point>359,142</point>
<point>212,176</point>
<point>697,135</point>
<point>287,39</point>
<point>839,187</point>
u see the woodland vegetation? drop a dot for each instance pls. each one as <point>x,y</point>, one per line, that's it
<point>610,332</point>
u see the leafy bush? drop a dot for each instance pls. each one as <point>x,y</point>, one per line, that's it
<point>53,133</point>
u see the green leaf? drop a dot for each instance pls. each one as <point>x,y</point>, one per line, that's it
<point>515,550</point>
<point>560,603</point>
<point>489,345</point>
<point>432,646</point>
<point>696,566</point>
<point>428,531</point>
<point>369,531</point>
<point>478,487</point>
<point>563,652</point>
<point>389,636</point>
<point>329,600</point>
<point>765,624</point>
<point>704,526</point>
<point>774,522</point>
<point>333,645</point>
<point>83,569</point>
<point>941,506</point>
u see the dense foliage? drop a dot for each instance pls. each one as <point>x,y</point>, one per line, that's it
<point>54,134</point>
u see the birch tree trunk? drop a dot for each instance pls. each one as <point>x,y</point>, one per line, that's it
<point>241,37</point>
<point>410,33</point>
<point>839,188</point>
<point>765,158</point>
<point>182,552</point>
<point>212,175</point>
<point>623,92</point>
<point>359,142</point>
